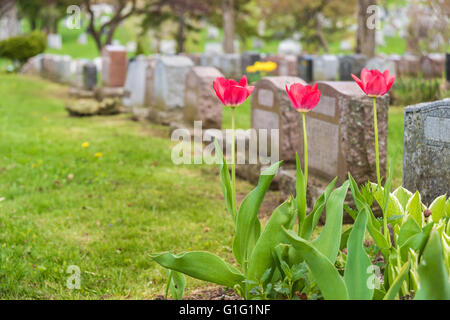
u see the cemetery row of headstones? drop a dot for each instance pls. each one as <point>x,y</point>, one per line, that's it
<point>173,89</point>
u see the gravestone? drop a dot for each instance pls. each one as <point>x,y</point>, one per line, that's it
<point>351,64</point>
<point>135,84</point>
<point>287,66</point>
<point>131,46</point>
<point>48,66</point>
<point>249,59</point>
<point>89,76</point>
<point>114,68</point>
<point>345,45</point>
<point>271,109</point>
<point>77,79</point>
<point>200,100</point>
<point>213,48</point>
<point>447,66</point>
<point>150,82</point>
<point>195,57</point>
<point>82,39</point>
<point>305,66</point>
<point>382,64</point>
<point>326,67</point>
<point>340,133</point>
<point>432,65</point>
<point>426,149</point>
<point>409,65</point>
<point>168,47</point>
<point>54,41</point>
<point>213,33</point>
<point>290,47</point>
<point>64,67</point>
<point>230,65</point>
<point>169,84</point>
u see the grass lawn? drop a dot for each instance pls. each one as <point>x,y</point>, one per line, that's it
<point>60,205</point>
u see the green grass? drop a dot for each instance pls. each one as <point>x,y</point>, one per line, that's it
<point>107,219</point>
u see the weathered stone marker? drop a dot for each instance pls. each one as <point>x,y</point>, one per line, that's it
<point>114,69</point>
<point>305,65</point>
<point>426,149</point>
<point>432,65</point>
<point>169,84</point>
<point>326,68</point>
<point>249,59</point>
<point>288,66</point>
<point>89,76</point>
<point>200,100</point>
<point>271,109</point>
<point>135,84</point>
<point>382,64</point>
<point>340,133</point>
<point>351,64</point>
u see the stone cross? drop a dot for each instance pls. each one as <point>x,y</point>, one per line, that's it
<point>426,149</point>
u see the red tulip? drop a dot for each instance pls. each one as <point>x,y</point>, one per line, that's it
<point>303,98</point>
<point>374,83</point>
<point>231,93</point>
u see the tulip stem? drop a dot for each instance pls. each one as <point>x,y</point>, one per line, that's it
<point>305,143</point>
<point>233,162</point>
<point>375,126</point>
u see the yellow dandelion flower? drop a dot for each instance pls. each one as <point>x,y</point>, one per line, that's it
<point>85,144</point>
<point>98,155</point>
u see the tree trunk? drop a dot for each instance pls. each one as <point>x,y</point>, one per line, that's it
<point>320,35</point>
<point>181,29</point>
<point>365,37</point>
<point>228,25</point>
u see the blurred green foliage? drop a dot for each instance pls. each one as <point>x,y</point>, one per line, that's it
<point>21,48</point>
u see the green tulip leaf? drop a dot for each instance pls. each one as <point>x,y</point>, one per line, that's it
<point>397,282</point>
<point>248,227</point>
<point>356,273</point>
<point>328,279</point>
<point>328,242</point>
<point>414,209</point>
<point>437,208</point>
<point>201,265</point>
<point>434,281</point>
<point>402,196</point>
<point>225,181</point>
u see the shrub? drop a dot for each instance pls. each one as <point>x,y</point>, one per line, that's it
<point>21,48</point>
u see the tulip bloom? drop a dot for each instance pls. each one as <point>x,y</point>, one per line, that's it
<point>374,83</point>
<point>303,99</point>
<point>232,93</point>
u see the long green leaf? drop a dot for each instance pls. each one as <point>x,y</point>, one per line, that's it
<point>225,181</point>
<point>261,257</point>
<point>248,227</point>
<point>416,242</point>
<point>313,218</point>
<point>414,209</point>
<point>407,230</point>
<point>325,274</point>
<point>329,239</point>
<point>403,195</point>
<point>356,273</point>
<point>397,282</point>
<point>437,208</point>
<point>434,281</point>
<point>201,265</point>
<point>176,284</point>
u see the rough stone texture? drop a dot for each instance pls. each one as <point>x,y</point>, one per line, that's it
<point>271,109</point>
<point>89,76</point>
<point>382,64</point>
<point>109,92</point>
<point>432,65</point>
<point>195,57</point>
<point>150,83</point>
<point>114,68</point>
<point>200,100</point>
<point>90,107</point>
<point>340,133</point>
<point>249,59</point>
<point>169,80</point>
<point>288,66</point>
<point>426,149</point>
<point>305,64</point>
<point>33,66</point>
<point>79,93</point>
<point>326,67</point>
<point>48,69</point>
<point>351,64</point>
